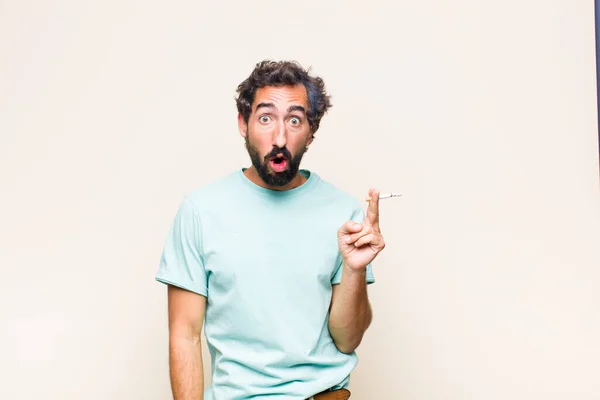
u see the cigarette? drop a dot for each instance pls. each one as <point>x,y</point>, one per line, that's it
<point>385,196</point>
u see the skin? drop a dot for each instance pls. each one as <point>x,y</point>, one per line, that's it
<point>280,124</point>
<point>186,315</point>
<point>350,310</point>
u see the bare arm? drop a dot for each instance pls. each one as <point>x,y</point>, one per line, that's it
<point>350,314</point>
<point>186,316</point>
<point>350,311</point>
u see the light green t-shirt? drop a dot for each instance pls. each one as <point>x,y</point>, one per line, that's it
<point>266,261</point>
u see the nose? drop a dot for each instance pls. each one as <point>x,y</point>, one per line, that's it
<point>280,136</point>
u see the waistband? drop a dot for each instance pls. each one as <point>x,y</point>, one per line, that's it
<point>340,394</point>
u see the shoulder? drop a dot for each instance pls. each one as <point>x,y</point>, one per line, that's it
<point>330,193</point>
<point>213,192</point>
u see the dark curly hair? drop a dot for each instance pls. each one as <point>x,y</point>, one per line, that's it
<point>283,73</point>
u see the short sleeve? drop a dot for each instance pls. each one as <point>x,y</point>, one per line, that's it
<point>358,215</point>
<point>181,263</point>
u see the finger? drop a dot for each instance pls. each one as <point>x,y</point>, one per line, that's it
<point>367,222</point>
<point>365,231</point>
<point>367,239</point>
<point>369,195</point>
<point>374,240</point>
<point>373,209</point>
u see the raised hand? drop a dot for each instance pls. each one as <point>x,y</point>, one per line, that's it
<point>360,243</point>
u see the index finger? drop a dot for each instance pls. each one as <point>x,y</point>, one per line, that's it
<point>373,208</point>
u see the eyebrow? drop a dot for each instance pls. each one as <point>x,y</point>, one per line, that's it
<point>296,108</point>
<point>290,108</point>
<point>267,105</point>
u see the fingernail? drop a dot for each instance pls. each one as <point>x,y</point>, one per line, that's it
<point>348,239</point>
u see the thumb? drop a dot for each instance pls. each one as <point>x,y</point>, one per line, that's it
<point>350,227</point>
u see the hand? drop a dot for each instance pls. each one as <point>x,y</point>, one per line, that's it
<point>360,243</point>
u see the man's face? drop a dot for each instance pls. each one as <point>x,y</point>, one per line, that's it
<point>277,132</point>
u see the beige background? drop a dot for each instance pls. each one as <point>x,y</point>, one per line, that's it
<point>482,113</point>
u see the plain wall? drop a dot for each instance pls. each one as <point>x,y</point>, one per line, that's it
<point>482,113</point>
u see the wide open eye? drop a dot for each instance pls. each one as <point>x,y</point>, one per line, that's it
<point>264,119</point>
<point>295,121</point>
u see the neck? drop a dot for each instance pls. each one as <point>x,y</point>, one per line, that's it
<point>253,176</point>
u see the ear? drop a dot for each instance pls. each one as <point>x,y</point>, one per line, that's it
<point>242,126</point>
<point>310,139</point>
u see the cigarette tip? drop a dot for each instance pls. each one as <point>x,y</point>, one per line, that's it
<point>384,196</point>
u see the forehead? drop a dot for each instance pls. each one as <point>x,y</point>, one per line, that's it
<point>282,96</point>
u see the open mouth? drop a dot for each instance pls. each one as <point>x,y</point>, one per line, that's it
<point>278,164</point>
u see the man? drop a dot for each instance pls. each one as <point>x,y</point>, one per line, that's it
<point>255,258</point>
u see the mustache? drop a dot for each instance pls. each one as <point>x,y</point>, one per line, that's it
<point>276,150</point>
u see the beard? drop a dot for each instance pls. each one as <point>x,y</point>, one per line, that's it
<point>270,177</point>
